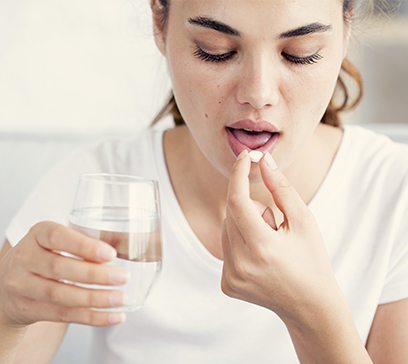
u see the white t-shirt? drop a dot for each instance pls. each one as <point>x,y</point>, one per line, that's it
<point>362,211</point>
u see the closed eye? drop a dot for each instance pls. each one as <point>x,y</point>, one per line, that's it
<point>312,59</point>
<point>215,58</point>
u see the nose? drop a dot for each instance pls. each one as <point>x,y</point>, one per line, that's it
<point>258,85</point>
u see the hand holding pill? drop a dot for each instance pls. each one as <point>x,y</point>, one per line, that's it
<point>275,261</point>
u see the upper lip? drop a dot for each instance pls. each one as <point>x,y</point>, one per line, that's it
<point>259,125</point>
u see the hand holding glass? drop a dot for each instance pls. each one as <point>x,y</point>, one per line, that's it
<point>123,211</point>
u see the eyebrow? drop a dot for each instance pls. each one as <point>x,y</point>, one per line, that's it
<point>218,26</point>
<point>214,25</point>
<point>305,30</point>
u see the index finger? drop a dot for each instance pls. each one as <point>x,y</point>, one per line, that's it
<point>52,236</point>
<point>239,202</point>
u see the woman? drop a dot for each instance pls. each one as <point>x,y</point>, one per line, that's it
<point>302,257</point>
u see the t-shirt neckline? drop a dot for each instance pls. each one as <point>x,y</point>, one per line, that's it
<point>331,175</point>
<point>178,220</point>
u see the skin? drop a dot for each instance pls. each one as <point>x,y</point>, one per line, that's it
<point>217,196</point>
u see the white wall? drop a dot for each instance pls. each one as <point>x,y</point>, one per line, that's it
<point>78,65</point>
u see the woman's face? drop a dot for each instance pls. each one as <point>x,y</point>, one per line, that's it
<point>253,74</point>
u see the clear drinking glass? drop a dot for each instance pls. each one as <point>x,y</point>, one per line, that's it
<point>123,211</point>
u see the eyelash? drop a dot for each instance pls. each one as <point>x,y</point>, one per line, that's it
<point>314,58</point>
<point>218,58</point>
<point>215,58</point>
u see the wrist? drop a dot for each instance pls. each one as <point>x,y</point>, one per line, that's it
<point>11,337</point>
<point>309,308</point>
<point>7,326</point>
<point>11,332</point>
<point>326,333</point>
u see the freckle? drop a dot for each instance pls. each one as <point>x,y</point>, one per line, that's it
<point>206,115</point>
<point>218,86</point>
<point>219,102</point>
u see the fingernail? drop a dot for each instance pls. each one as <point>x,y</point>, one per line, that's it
<point>117,298</point>
<point>270,162</point>
<point>106,252</point>
<point>242,155</point>
<point>116,318</point>
<point>119,276</point>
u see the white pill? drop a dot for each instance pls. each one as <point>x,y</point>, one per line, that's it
<point>255,156</point>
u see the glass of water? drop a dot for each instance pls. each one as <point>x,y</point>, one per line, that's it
<point>123,211</point>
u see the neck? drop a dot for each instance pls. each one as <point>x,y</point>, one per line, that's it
<point>206,188</point>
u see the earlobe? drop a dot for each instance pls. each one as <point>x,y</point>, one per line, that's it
<point>159,40</point>
<point>347,36</point>
<point>158,25</point>
<point>346,47</point>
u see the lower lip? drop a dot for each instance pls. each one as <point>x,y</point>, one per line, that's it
<point>237,147</point>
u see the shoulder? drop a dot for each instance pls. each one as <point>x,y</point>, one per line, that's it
<point>119,146</point>
<point>373,155</point>
<point>372,142</point>
<point>109,155</point>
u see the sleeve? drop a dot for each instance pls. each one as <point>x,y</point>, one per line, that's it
<point>52,198</point>
<point>396,284</point>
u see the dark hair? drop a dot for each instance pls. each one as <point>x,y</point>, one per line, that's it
<point>342,99</point>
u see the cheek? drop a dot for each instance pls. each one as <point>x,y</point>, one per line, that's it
<point>183,81</point>
<point>200,92</point>
<point>197,90</point>
<point>310,91</point>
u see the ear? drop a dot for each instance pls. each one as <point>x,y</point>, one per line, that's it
<point>158,26</point>
<point>347,31</point>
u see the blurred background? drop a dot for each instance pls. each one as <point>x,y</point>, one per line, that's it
<point>380,51</point>
<point>72,71</point>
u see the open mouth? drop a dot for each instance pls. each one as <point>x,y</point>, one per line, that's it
<point>252,139</point>
<point>242,138</point>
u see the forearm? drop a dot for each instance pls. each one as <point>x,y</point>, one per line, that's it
<point>10,339</point>
<point>328,335</point>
